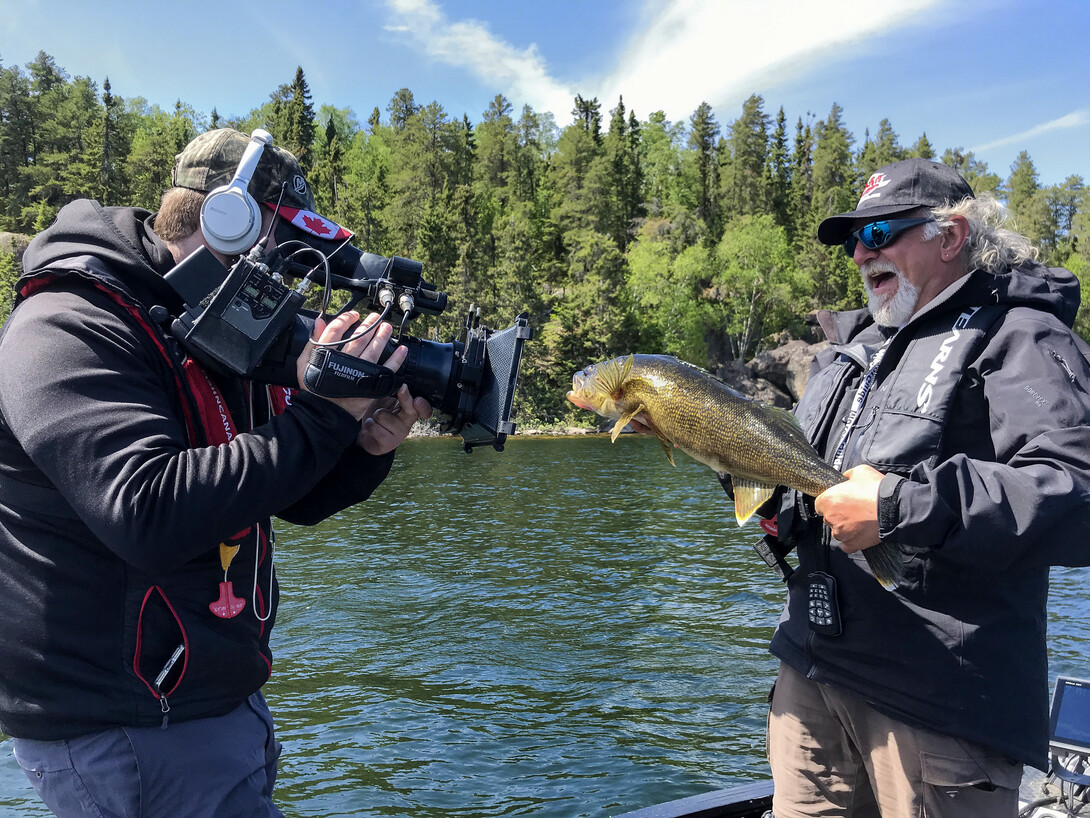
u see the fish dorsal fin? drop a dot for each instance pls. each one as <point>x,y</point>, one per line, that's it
<point>787,421</point>
<point>749,495</point>
<point>624,420</point>
<point>612,375</point>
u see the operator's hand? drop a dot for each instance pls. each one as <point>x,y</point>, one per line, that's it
<point>389,420</point>
<point>368,346</point>
<point>851,508</point>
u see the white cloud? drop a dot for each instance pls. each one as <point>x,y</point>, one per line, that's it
<point>469,44</point>
<point>685,51</point>
<point>693,51</point>
<point>1075,119</point>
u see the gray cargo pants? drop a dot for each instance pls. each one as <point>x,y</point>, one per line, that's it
<point>832,754</point>
<point>217,767</point>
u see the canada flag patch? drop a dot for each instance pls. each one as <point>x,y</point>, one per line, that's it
<point>314,224</point>
<point>873,186</point>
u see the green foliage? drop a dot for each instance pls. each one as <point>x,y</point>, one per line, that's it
<point>9,272</point>
<point>615,234</point>
<point>755,284</point>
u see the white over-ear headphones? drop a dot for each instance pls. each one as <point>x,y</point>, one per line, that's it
<point>230,217</point>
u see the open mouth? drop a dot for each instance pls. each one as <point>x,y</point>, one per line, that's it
<point>878,279</point>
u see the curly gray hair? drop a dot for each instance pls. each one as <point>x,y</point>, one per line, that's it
<point>991,245</point>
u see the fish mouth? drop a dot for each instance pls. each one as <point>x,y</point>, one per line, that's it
<point>583,400</point>
<point>579,400</point>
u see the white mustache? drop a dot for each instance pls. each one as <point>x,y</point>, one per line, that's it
<point>876,266</point>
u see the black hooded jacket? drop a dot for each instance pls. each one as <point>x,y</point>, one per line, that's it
<point>979,419</point>
<point>111,513</point>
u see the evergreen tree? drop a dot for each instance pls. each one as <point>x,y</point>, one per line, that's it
<point>614,240</point>
<point>330,161</point>
<point>779,173</point>
<point>530,156</point>
<point>922,149</point>
<point>975,172</point>
<point>1022,186</point>
<point>591,318</point>
<point>116,141</point>
<point>703,131</point>
<point>1029,204</point>
<point>835,191</point>
<point>497,147</point>
<point>45,74</point>
<point>883,150</point>
<point>623,199</point>
<point>571,179</point>
<point>16,147</point>
<point>293,122</point>
<point>746,184</point>
<point>401,108</point>
<point>801,191</point>
<point>587,114</point>
<point>367,189</point>
<point>661,144</point>
<point>159,138</point>
<point>1060,206</point>
<point>67,157</point>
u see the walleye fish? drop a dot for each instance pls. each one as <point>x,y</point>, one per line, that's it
<point>758,445</point>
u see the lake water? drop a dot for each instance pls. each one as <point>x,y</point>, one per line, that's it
<point>567,628</point>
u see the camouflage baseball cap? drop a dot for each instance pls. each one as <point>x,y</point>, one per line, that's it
<point>210,161</point>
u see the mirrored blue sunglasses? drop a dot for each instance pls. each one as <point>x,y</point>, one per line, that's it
<point>877,235</point>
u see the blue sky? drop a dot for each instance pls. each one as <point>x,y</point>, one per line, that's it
<point>992,76</point>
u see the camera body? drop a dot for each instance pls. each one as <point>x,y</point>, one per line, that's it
<point>251,324</point>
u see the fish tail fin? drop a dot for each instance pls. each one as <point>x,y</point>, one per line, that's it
<point>749,495</point>
<point>886,561</point>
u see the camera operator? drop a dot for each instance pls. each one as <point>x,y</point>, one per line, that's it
<point>137,588</point>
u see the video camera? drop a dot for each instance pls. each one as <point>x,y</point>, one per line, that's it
<point>252,324</point>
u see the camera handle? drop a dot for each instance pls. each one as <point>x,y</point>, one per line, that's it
<point>334,374</point>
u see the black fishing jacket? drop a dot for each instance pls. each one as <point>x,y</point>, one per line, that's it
<point>115,494</point>
<point>979,419</point>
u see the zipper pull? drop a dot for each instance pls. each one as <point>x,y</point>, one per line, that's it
<point>166,710</point>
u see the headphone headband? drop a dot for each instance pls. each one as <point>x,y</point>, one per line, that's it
<point>230,217</point>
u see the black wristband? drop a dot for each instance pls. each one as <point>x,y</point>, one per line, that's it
<point>889,491</point>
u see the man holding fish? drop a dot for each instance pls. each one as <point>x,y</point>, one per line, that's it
<point>957,407</point>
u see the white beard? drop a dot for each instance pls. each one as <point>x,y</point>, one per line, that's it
<point>896,309</point>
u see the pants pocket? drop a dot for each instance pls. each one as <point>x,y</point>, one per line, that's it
<point>969,785</point>
<point>93,775</point>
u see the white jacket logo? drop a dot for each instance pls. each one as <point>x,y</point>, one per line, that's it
<point>923,397</point>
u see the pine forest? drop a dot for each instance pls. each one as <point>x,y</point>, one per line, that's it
<point>621,232</point>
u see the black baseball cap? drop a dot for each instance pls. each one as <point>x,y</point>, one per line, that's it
<point>896,188</point>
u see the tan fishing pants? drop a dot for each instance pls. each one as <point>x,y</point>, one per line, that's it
<point>832,754</point>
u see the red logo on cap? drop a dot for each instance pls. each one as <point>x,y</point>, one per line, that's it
<point>316,226</point>
<point>876,181</point>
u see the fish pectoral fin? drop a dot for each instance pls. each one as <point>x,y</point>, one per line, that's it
<point>749,495</point>
<point>624,420</point>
